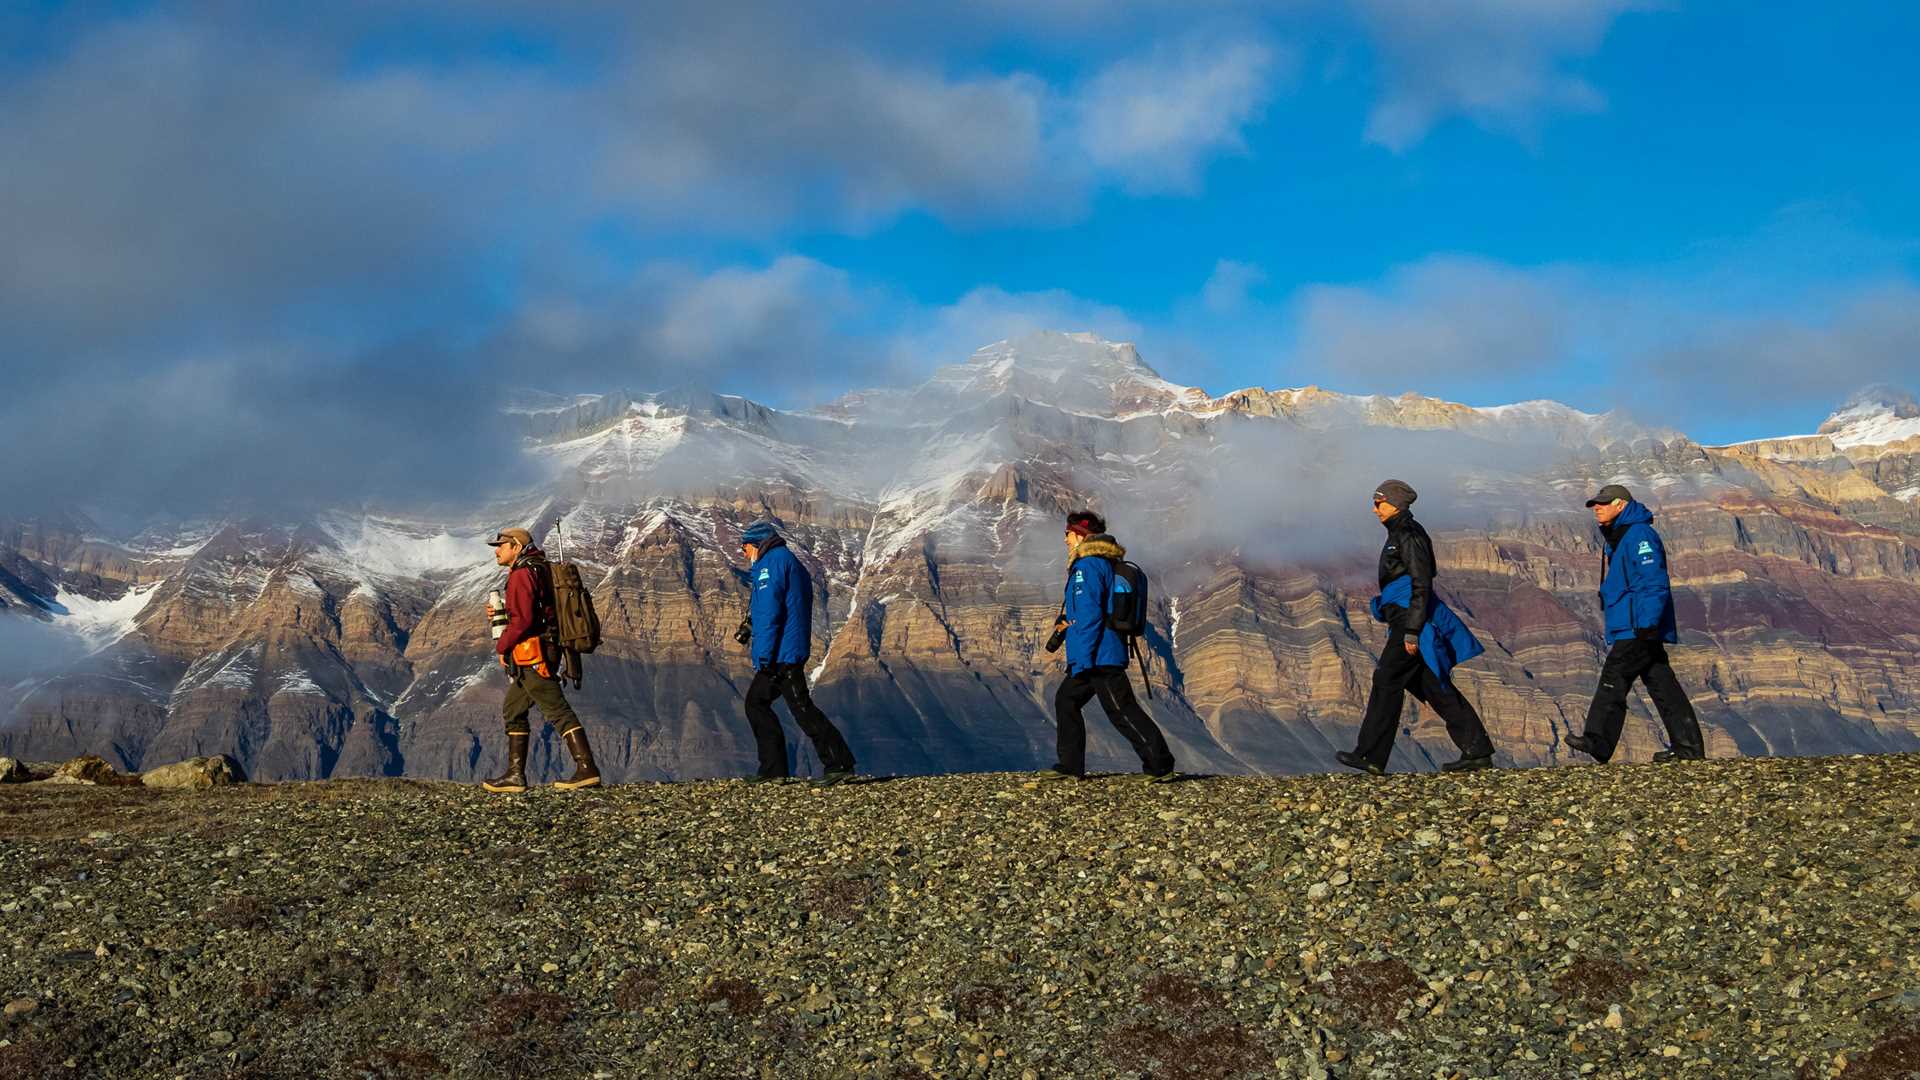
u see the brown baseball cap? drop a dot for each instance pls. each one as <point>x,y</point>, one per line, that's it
<point>1610,493</point>
<point>512,536</point>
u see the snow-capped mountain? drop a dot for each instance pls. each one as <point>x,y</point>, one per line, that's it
<point>1879,416</point>
<point>351,641</point>
<point>1869,449</point>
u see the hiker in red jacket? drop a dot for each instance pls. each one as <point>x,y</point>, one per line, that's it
<point>529,654</point>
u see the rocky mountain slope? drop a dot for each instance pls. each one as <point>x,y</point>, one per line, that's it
<point>1533,925</point>
<point>350,643</point>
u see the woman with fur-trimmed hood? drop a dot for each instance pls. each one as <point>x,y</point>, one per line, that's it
<point>1097,657</point>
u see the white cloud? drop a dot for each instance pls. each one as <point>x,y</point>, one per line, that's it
<point>778,332</point>
<point>1446,319</point>
<point>1225,290</point>
<point>1818,357</point>
<point>749,130</point>
<point>164,170</point>
<point>1497,62</point>
<point>951,333</point>
<point>1156,121</point>
<point>745,317</point>
<point>214,164</point>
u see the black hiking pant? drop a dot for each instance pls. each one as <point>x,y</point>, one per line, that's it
<point>1647,661</point>
<point>1115,691</point>
<point>528,690</point>
<point>1400,673</point>
<point>789,681</point>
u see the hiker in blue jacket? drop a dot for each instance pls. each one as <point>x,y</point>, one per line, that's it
<point>1638,599</point>
<point>782,639</point>
<point>1097,658</point>
<point>1425,640</point>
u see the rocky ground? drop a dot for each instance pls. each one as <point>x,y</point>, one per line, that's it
<point>1751,918</point>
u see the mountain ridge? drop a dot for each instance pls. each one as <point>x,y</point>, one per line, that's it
<point>346,641</point>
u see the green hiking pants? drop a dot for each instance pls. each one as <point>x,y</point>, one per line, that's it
<point>528,690</point>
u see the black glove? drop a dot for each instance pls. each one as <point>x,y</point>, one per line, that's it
<point>1646,633</point>
<point>744,632</point>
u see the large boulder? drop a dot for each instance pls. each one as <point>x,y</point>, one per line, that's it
<point>13,772</point>
<point>86,769</point>
<point>194,774</point>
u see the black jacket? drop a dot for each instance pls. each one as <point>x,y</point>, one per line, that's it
<point>1409,553</point>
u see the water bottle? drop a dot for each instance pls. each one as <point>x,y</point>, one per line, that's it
<point>497,613</point>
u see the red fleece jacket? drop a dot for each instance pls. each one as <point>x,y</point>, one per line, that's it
<point>524,612</point>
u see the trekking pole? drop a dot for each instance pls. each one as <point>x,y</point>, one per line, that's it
<point>1141,657</point>
<point>560,540</point>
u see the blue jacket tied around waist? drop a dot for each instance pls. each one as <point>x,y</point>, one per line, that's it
<point>782,608</point>
<point>1090,585</point>
<point>1635,591</point>
<point>1445,641</point>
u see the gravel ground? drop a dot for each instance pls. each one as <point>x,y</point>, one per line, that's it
<point>1750,918</point>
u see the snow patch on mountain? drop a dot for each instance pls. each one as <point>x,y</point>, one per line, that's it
<point>1877,416</point>
<point>299,683</point>
<point>386,547</point>
<point>100,623</point>
<point>232,668</point>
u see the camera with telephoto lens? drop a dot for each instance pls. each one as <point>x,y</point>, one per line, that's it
<point>744,632</point>
<point>1058,639</point>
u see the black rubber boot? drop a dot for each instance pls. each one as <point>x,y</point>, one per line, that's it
<point>585,773</point>
<point>515,778</point>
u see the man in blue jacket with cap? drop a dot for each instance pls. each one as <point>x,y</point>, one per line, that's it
<point>1425,640</point>
<point>782,619</point>
<point>1638,599</point>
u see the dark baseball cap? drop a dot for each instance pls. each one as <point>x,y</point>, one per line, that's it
<point>1610,493</point>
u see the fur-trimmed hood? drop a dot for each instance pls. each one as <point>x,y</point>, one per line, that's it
<point>1100,546</point>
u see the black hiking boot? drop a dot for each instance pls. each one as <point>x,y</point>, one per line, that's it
<point>585,773</point>
<point>1585,746</point>
<point>1058,773</point>
<point>834,777</point>
<point>756,778</point>
<point>1665,756</point>
<point>1469,764</point>
<point>515,778</point>
<point>1353,760</point>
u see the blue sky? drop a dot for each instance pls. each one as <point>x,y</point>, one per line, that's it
<point>225,221</point>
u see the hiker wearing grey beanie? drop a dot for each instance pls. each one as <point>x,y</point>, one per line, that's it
<point>1424,642</point>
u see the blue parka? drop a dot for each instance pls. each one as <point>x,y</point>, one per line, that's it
<point>1445,641</point>
<point>1635,591</point>
<point>1089,589</point>
<point>782,608</point>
